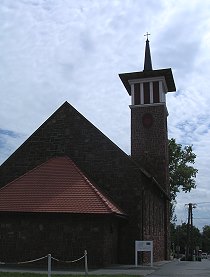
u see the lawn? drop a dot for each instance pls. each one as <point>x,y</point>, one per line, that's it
<point>17,274</point>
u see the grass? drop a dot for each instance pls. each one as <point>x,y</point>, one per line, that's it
<point>18,274</point>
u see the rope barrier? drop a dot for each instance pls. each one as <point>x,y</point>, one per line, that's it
<point>24,262</point>
<point>49,262</point>
<point>73,261</point>
<point>32,261</point>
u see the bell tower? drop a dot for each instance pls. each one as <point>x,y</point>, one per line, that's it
<point>149,136</point>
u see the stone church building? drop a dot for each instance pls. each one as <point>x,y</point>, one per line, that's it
<point>69,188</point>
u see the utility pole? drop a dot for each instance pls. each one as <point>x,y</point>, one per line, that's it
<point>189,231</point>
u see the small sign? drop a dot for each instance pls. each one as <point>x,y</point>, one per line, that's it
<point>143,246</point>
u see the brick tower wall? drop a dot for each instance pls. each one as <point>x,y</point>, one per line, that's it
<point>149,145</point>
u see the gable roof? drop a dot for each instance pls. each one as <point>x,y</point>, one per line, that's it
<point>57,185</point>
<point>68,133</point>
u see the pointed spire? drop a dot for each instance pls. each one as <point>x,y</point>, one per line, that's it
<point>147,58</point>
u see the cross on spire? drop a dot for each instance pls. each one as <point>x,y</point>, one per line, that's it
<point>146,35</point>
<point>147,59</point>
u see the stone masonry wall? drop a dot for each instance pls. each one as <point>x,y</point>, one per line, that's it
<point>30,236</point>
<point>154,221</point>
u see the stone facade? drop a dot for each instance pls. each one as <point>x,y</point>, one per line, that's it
<point>65,237</point>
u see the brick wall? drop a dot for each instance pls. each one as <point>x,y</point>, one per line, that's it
<point>30,236</point>
<point>150,144</point>
<point>154,221</point>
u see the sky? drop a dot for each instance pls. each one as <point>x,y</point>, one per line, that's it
<point>52,51</point>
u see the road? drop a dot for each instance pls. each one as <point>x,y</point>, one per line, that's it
<point>183,269</point>
<point>160,269</point>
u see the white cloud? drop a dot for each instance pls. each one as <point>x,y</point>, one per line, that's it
<point>53,51</point>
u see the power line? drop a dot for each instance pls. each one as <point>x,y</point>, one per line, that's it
<point>202,203</point>
<point>201,217</point>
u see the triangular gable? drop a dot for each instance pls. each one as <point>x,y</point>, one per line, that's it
<point>68,133</point>
<point>57,185</point>
<point>65,132</point>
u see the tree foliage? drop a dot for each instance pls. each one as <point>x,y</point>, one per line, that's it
<point>206,239</point>
<point>198,239</point>
<point>181,172</point>
<point>179,237</point>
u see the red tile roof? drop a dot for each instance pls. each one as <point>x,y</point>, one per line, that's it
<point>57,185</point>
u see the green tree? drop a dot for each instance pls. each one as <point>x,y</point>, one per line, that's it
<point>206,239</point>
<point>181,172</point>
<point>179,237</point>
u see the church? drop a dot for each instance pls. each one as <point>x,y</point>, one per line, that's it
<point>69,188</point>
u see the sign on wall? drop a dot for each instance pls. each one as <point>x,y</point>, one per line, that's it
<point>143,246</point>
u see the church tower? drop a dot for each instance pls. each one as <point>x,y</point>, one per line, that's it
<point>149,137</point>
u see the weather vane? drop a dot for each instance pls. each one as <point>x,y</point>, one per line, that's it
<point>146,35</point>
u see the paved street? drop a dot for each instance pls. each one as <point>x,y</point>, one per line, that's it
<point>160,269</point>
<point>183,269</point>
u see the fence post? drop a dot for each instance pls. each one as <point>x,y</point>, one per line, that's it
<point>86,263</point>
<point>49,265</point>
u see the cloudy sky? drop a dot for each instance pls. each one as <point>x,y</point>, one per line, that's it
<point>52,51</point>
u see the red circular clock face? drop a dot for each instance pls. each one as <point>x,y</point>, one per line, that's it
<point>147,120</point>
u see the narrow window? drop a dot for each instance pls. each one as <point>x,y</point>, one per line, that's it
<point>146,93</point>
<point>156,92</point>
<point>136,94</point>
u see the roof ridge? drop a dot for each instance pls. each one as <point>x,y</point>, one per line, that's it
<point>95,201</point>
<point>66,103</point>
<point>97,190</point>
<point>28,172</point>
<point>105,198</point>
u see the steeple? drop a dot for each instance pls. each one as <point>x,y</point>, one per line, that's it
<point>147,58</point>
<point>149,134</point>
<point>149,141</point>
